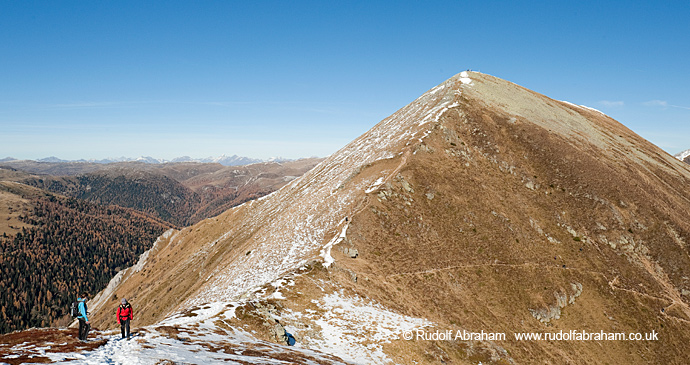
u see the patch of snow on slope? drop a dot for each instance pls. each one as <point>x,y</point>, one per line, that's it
<point>436,112</point>
<point>375,186</point>
<point>584,107</point>
<point>571,104</point>
<point>465,78</point>
<point>194,338</point>
<point>326,251</point>
<point>200,314</point>
<point>594,110</point>
<point>435,89</point>
<point>355,329</point>
<point>197,345</point>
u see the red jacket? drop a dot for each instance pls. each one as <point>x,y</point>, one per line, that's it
<point>124,312</point>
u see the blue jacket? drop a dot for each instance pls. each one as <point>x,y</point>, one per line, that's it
<point>82,309</point>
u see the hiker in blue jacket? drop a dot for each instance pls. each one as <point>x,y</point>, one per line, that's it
<point>84,325</point>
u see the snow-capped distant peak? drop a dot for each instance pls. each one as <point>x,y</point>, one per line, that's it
<point>682,155</point>
<point>224,160</point>
<point>148,159</point>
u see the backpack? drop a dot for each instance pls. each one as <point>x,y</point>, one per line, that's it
<point>74,309</point>
<point>290,339</point>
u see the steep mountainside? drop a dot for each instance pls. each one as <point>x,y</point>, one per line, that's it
<point>479,207</point>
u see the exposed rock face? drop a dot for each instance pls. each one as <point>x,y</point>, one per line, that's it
<point>480,206</point>
<point>545,315</point>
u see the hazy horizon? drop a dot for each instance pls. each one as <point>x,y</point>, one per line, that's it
<point>131,158</point>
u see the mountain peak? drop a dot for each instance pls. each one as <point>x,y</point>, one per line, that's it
<point>479,206</point>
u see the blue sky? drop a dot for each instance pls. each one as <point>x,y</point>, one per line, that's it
<point>82,79</point>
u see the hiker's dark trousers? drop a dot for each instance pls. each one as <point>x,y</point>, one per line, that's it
<point>124,327</point>
<point>83,329</point>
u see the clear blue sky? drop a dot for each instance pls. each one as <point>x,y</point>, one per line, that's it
<point>96,79</point>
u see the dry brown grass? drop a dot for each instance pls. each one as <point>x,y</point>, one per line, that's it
<point>52,339</point>
<point>12,206</point>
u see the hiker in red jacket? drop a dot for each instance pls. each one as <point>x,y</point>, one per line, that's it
<point>124,315</point>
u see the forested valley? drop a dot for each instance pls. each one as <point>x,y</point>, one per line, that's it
<point>60,235</point>
<point>70,246</point>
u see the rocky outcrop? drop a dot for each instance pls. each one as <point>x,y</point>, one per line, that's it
<point>554,311</point>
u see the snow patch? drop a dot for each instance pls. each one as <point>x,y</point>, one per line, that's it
<point>465,78</point>
<point>201,314</point>
<point>326,251</point>
<point>435,89</point>
<point>375,186</point>
<point>594,110</point>
<point>355,329</point>
<point>584,107</point>
<point>437,112</point>
<point>191,343</point>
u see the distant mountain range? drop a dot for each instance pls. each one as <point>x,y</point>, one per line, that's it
<point>224,160</point>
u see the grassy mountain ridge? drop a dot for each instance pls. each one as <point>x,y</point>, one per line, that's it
<point>480,206</point>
